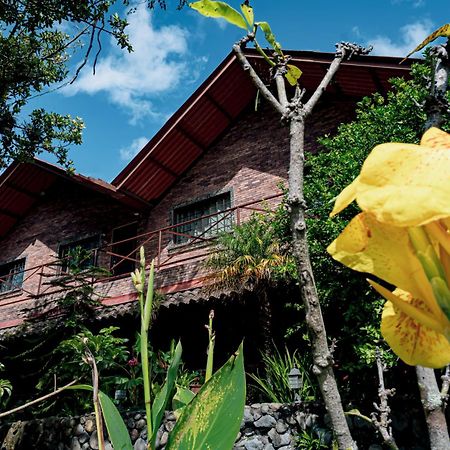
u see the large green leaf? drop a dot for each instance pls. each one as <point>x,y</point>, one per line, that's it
<point>213,417</point>
<point>247,11</point>
<point>161,400</point>
<point>117,430</point>
<point>221,10</point>
<point>270,37</point>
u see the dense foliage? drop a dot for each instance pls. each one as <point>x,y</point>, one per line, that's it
<point>352,309</point>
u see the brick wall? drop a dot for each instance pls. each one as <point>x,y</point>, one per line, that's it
<point>249,160</point>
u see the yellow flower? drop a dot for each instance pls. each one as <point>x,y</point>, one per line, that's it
<point>402,237</point>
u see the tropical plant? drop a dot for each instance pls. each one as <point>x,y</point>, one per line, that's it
<point>274,383</point>
<point>252,256</point>
<point>5,388</point>
<point>211,419</point>
<point>310,440</point>
<point>111,356</point>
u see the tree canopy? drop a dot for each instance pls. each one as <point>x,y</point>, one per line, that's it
<point>39,40</point>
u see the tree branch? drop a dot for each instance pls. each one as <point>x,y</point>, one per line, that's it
<point>381,419</point>
<point>37,400</point>
<point>344,50</point>
<point>237,48</point>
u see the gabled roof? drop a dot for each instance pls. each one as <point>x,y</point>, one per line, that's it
<point>23,184</point>
<point>214,106</point>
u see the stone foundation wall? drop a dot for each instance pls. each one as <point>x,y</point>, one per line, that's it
<point>265,426</point>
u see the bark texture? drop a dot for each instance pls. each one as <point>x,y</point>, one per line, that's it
<point>432,406</point>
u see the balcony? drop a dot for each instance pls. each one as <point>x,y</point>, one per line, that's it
<point>177,250</point>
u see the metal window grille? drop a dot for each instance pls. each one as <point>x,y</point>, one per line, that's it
<point>11,275</point>
<point>79,255</point>
<point>203,226</point>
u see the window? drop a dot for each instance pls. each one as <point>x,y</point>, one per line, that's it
<point>11,275</point>
<point>79,255</point>
<point>206,226</point>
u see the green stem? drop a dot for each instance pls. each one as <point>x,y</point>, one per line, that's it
<point>99,425</point>
<point>145,325</point>
<point>211,338</point>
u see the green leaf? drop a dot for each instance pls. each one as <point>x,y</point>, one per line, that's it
<point>162,398</point>
<point>182,397</point>
<point>115,425</point>
<point>221,10</point>
<point>270,37</point>
<point>293,74</point>
<point>247,11</point>
<point>213,417</point>
<point>117,430</point>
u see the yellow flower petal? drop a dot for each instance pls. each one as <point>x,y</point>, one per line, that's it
<point>345,197</point>
<point>435,138</point>
<point>412,342</point>
<point>402,300</point>
<point>405,184</point>
<point>369,246</point>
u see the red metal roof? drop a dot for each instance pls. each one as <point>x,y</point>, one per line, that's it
<point>23,184</point>
<point>217,103</point>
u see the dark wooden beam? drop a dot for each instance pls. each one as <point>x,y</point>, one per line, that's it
<point>23,191</point>
<point>189,136</point>
<point>376,81</point>
<point>219,107</point>
<point>8,213</point>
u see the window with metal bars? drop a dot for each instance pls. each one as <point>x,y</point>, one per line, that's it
<point>79,255</point>
<point>11,275</point>
<point>194,223</point>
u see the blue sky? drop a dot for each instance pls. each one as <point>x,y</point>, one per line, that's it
<point>132,95</point>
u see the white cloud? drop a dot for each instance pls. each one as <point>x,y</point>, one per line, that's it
<point>127,153</point>
<point>414,3</point>
<point>159,60</point>
<point>409,37</point>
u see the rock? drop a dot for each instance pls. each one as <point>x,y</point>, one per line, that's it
<point>85,446</point>
<point>269,447</point>
<point>375,447</point>
<point>170,425</point>
<point>265,408</point>
<point>253,444</point>
<point>83,437</point>
<point>108,446</point>
<point>170,416</point>
<point>75,444</point>
<point>130,423</point>
<point>279,440</point>
<point>141,423</point>
<point>248,418</point>
<point>137,417</point>
<point>140,445</point>
<point>275,406</point>
<point>78,430</point>
<point>265,422</point>
<point>281,426</point>
<point>134,434</point>
<point>89,426</point>
<point>164,438</point>
<point>93,441</point>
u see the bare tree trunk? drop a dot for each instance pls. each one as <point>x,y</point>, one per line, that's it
<point>321,354</point>
<point>295,113</point>
<point>432,406</point>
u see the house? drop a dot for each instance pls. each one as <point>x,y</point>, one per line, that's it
<point>215,160</point>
